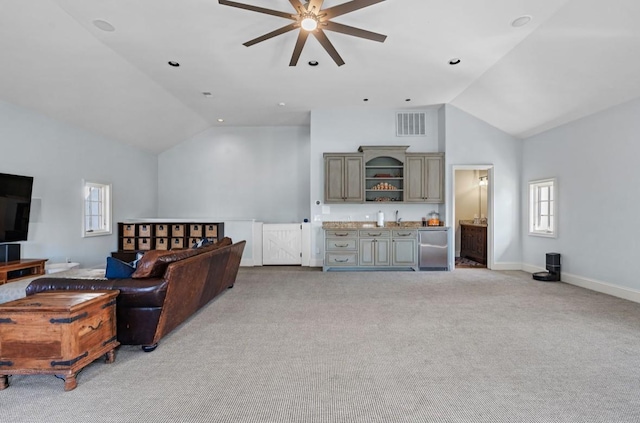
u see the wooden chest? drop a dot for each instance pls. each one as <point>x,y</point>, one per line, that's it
<point>57,332</point>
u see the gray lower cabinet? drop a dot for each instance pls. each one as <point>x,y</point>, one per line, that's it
<point>404,248</point>
<point>424,178</point>
<point>371,248</point>
<point>374,247</point>
<point>341,248</point>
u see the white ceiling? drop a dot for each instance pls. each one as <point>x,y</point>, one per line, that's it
<point>574,58</point>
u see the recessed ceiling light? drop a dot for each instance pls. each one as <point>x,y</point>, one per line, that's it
<point>220,120</point>
<point>454,61</point>
<point>313,63</point>
<point>104,25</point>
<point>207,94</point>
<point>281,104</point>
<point>521,21</point>
<point>174,64</point>
<point>365,99</point>
<point>407,99</point>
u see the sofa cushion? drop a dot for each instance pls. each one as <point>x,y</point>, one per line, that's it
<point>222,243</point>
<point>148,265</point>
<point>154,263</point>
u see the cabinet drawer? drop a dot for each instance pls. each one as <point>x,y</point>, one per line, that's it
<point>341,259</point>
<point>375,233</point>
<point>405,234</point>
<point>341,244</point>
<point>341,233</point>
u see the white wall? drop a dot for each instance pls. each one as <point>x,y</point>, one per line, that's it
<point>237,173</point>
<point>343,131</point>
<point>595,161</point>
<point>471,141</point>
<point>59,157</point>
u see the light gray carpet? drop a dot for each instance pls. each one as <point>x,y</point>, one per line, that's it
<point>291,344</point>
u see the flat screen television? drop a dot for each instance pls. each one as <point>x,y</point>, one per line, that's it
<point>15,206</point>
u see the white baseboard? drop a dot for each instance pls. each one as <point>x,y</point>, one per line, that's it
<point>592,284</point>
<point>316,263</point>
<point>247,263</point>
<point>506,266</point>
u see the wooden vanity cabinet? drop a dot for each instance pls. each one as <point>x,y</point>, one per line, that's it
<point>473,242</point>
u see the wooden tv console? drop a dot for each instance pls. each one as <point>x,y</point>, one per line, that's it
<point>14,270</point>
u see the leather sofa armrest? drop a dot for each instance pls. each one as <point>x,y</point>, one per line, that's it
<point>68,284</point>
<point>148,292</point>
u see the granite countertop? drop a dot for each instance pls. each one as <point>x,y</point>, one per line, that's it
<point>470,223</point>
<point>417,224</point>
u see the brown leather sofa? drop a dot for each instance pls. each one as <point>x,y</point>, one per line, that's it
<point>165,290</point>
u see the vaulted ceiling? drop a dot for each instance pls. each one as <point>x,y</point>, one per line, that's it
<point>574,57</point>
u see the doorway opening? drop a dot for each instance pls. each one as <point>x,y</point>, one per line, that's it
<point>472,213</point>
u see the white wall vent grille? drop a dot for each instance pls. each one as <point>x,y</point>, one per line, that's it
<point>411,124</point>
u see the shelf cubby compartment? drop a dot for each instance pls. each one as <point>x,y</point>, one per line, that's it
<point>384,180</point>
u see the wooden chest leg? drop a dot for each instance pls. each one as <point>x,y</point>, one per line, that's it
<point>4,382</point>
<point>70,382</point>
<point>111,356</point>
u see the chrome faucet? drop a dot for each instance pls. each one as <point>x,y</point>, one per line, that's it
<point>398,219</point>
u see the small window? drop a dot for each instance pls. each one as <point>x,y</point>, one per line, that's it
<point>96,209</point>
<point>542,208</point>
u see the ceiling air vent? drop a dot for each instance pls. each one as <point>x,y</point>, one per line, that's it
<point>411,124</point>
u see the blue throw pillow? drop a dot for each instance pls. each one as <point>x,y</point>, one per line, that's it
<point>118,269</point>
<point>202,243</point>
<point>134,263</point>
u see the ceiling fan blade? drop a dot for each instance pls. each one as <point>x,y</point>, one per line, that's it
<point>257,9</point>
<point>324,41</point>
<point>343,8</point>
<point>271,34</point>
<point>302,38</point>
<point>356,32</point>
<point>315,3</point>
<point>297,4</point>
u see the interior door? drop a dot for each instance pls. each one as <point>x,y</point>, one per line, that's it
<point>282,244</point>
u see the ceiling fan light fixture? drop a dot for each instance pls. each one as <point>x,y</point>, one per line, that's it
<point>309,22</point>
<point>454,61</point>
<point>313,63</point>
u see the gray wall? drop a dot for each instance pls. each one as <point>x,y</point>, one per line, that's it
<point>59,157</point>
<point>471,141</point>
<point>595,161</point>
<point>343,131</point>
<point>238,173</point>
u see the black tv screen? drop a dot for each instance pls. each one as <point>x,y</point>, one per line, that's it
<point>15,206</point>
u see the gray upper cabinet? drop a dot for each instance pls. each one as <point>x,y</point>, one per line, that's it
<point>383,173</point>
<point>343,181</point>
<point>424,178</point>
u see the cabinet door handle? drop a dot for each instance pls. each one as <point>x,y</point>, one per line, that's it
<point>341,245</point>
<point>378,234</point>
<point>342,234</point>
<point>405,234</point>
<point>341,261</point>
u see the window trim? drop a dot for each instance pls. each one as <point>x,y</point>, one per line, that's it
<point>534,203</point>
<point>106,209</point>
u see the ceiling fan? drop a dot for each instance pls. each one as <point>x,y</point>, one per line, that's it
<point>311,18</point>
